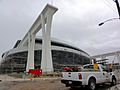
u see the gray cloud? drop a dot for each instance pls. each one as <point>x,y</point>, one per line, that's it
<point>76,22</point>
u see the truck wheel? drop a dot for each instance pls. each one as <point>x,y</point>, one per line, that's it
<point>91,84</point>
<point>113,81</point>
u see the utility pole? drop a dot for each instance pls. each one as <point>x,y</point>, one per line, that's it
<point>118,8</point>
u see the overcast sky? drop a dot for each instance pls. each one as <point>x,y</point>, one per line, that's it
<point>75,22</point>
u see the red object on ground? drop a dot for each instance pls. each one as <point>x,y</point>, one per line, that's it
<point>35,71</point>
<point>68,69</point>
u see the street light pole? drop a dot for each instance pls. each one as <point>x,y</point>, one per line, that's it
<point>118,8</point>
<point>108,20</point>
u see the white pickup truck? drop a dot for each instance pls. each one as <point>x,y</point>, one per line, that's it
<point>88,76</point>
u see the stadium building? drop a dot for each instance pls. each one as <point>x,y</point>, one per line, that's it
<point>63,54</point>
<point>45,53</point>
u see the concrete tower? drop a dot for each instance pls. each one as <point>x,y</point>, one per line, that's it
<point>43,22</point>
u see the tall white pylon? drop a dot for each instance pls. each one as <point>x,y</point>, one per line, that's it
<point>44,22</point>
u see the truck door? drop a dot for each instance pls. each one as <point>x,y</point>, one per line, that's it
<point>106,74</point>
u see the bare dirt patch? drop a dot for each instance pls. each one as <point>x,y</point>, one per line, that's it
<point>39,85</point>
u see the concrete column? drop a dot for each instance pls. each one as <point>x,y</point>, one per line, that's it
<point>43,22</point>
<point>49,62</point>
<point>46,63</point>
<point>43,60</point>
<point>30,58</point>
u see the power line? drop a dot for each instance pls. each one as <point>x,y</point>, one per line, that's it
<point>109,5</point>
<point>112,4</point>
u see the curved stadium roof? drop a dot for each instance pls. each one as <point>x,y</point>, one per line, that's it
<point>54,42</point>
<point>57,42</point>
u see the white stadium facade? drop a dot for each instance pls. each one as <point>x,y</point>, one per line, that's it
<point>63,54</point>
